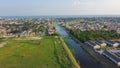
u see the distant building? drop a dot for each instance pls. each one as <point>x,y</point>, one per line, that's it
<point>118,30</point>
<point>51,28</point>
<point>2,31</point>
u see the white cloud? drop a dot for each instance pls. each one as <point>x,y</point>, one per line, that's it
<point>76,2</point>
<point>97,6</point>
<point>113,4</point>
<point>83,4</point>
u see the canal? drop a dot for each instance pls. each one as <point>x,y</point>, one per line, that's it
<point>85,60</point>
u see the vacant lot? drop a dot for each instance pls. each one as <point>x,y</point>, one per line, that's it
<point>44,53</point>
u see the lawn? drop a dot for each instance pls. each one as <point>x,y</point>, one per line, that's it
<point>34,54</point>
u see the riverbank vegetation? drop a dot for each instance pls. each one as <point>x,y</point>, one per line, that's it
<point>94,35</point>
<point>69,54</point>
<point>2,40</point>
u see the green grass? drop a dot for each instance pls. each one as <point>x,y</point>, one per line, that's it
<point>1,40</point>
<point>62,56</point>
<point>34,54</point>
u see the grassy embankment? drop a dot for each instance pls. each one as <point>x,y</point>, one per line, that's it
<point>71,57</point>
<point>67,54</point>
<point>44,53</point>
<point>1,40</point>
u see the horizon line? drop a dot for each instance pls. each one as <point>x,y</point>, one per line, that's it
<point>67,15</point>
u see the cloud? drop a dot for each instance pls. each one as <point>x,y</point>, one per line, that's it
<point>97,6</point>
<point>76,2</point>
<point>83,4</point>
<point>113,4</point>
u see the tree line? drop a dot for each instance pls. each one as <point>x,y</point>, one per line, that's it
<point>94,34</point>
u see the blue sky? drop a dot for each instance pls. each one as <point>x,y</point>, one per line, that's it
<point>59,7</point>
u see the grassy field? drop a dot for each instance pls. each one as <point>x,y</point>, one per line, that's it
<point>45,53</point>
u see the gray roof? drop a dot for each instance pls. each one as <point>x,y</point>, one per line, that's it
<point>110,43</point>
<point>98,42</point>
<point>91,43</point>
<point>111,56</point>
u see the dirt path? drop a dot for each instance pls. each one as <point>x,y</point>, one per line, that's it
<point>3,44</point>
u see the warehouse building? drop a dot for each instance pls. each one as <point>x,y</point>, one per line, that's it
<point>111,44</point>
<point>92,44</point>
<point>102,44</point>
<point>113,58</point>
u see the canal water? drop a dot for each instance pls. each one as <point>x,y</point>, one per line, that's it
<point>85,60</point>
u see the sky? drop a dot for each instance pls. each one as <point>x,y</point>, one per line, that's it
<point>59,7</point>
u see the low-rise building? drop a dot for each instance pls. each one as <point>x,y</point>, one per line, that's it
<point>92,44</point>
<point>111,43</point>
<point>102,44</point>
<point>111,57</point>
